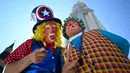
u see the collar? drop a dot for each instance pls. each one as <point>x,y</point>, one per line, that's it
<point>52,45</point>
<point>73,37</point>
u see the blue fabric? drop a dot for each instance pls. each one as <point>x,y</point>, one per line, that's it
<point>77,43</point>
<point>120,42</point>
<point>50,64</point>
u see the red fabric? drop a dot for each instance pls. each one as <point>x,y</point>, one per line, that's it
<point>23,50</point>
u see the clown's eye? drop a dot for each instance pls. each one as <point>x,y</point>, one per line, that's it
<point>67,24</point>
<point>47,27</point>
<point>54,26</point>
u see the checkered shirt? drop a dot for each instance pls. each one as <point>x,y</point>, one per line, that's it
<point>99,55</point>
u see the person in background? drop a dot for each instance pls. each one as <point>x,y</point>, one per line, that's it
<point>96,51</point>
<point>41,53</point>
<point>3,55</point>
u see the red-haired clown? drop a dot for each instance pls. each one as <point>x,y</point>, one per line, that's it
<point>95,51</point>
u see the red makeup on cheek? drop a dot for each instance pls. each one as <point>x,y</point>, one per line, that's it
<point>47,31</point>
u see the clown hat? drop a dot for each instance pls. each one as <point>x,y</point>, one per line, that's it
<point>41,14</point>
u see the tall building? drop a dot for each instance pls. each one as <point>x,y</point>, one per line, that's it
<point>82,11</point>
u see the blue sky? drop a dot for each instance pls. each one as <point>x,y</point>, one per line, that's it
<point>15,15</point>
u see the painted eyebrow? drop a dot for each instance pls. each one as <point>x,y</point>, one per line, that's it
<point>54,26</point>
<point>47,26</point>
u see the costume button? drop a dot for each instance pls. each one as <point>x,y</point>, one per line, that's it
<point>54,69</point>
<point>53,57</point>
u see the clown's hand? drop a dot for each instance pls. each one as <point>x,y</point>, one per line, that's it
<point>68,66</point>
<point>37,56</point>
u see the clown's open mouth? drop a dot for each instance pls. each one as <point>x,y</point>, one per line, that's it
<point>52,36</point>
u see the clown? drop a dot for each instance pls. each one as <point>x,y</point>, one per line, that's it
<point>97,51</point>
<point>41,54</point>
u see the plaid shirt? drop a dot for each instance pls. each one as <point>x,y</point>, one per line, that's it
<point>99,55</point>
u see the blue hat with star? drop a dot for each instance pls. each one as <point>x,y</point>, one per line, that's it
<point>41,14</point>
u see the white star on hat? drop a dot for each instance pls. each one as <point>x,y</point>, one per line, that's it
<point>45,12</point>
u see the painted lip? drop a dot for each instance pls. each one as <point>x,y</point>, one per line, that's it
<point>52,36</point>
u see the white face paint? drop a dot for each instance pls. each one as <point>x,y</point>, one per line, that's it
<point>50,31</point>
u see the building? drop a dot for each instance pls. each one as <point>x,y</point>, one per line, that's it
<point>82,11</point>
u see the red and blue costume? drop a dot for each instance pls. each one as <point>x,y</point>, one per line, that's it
<point>51,63</point>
